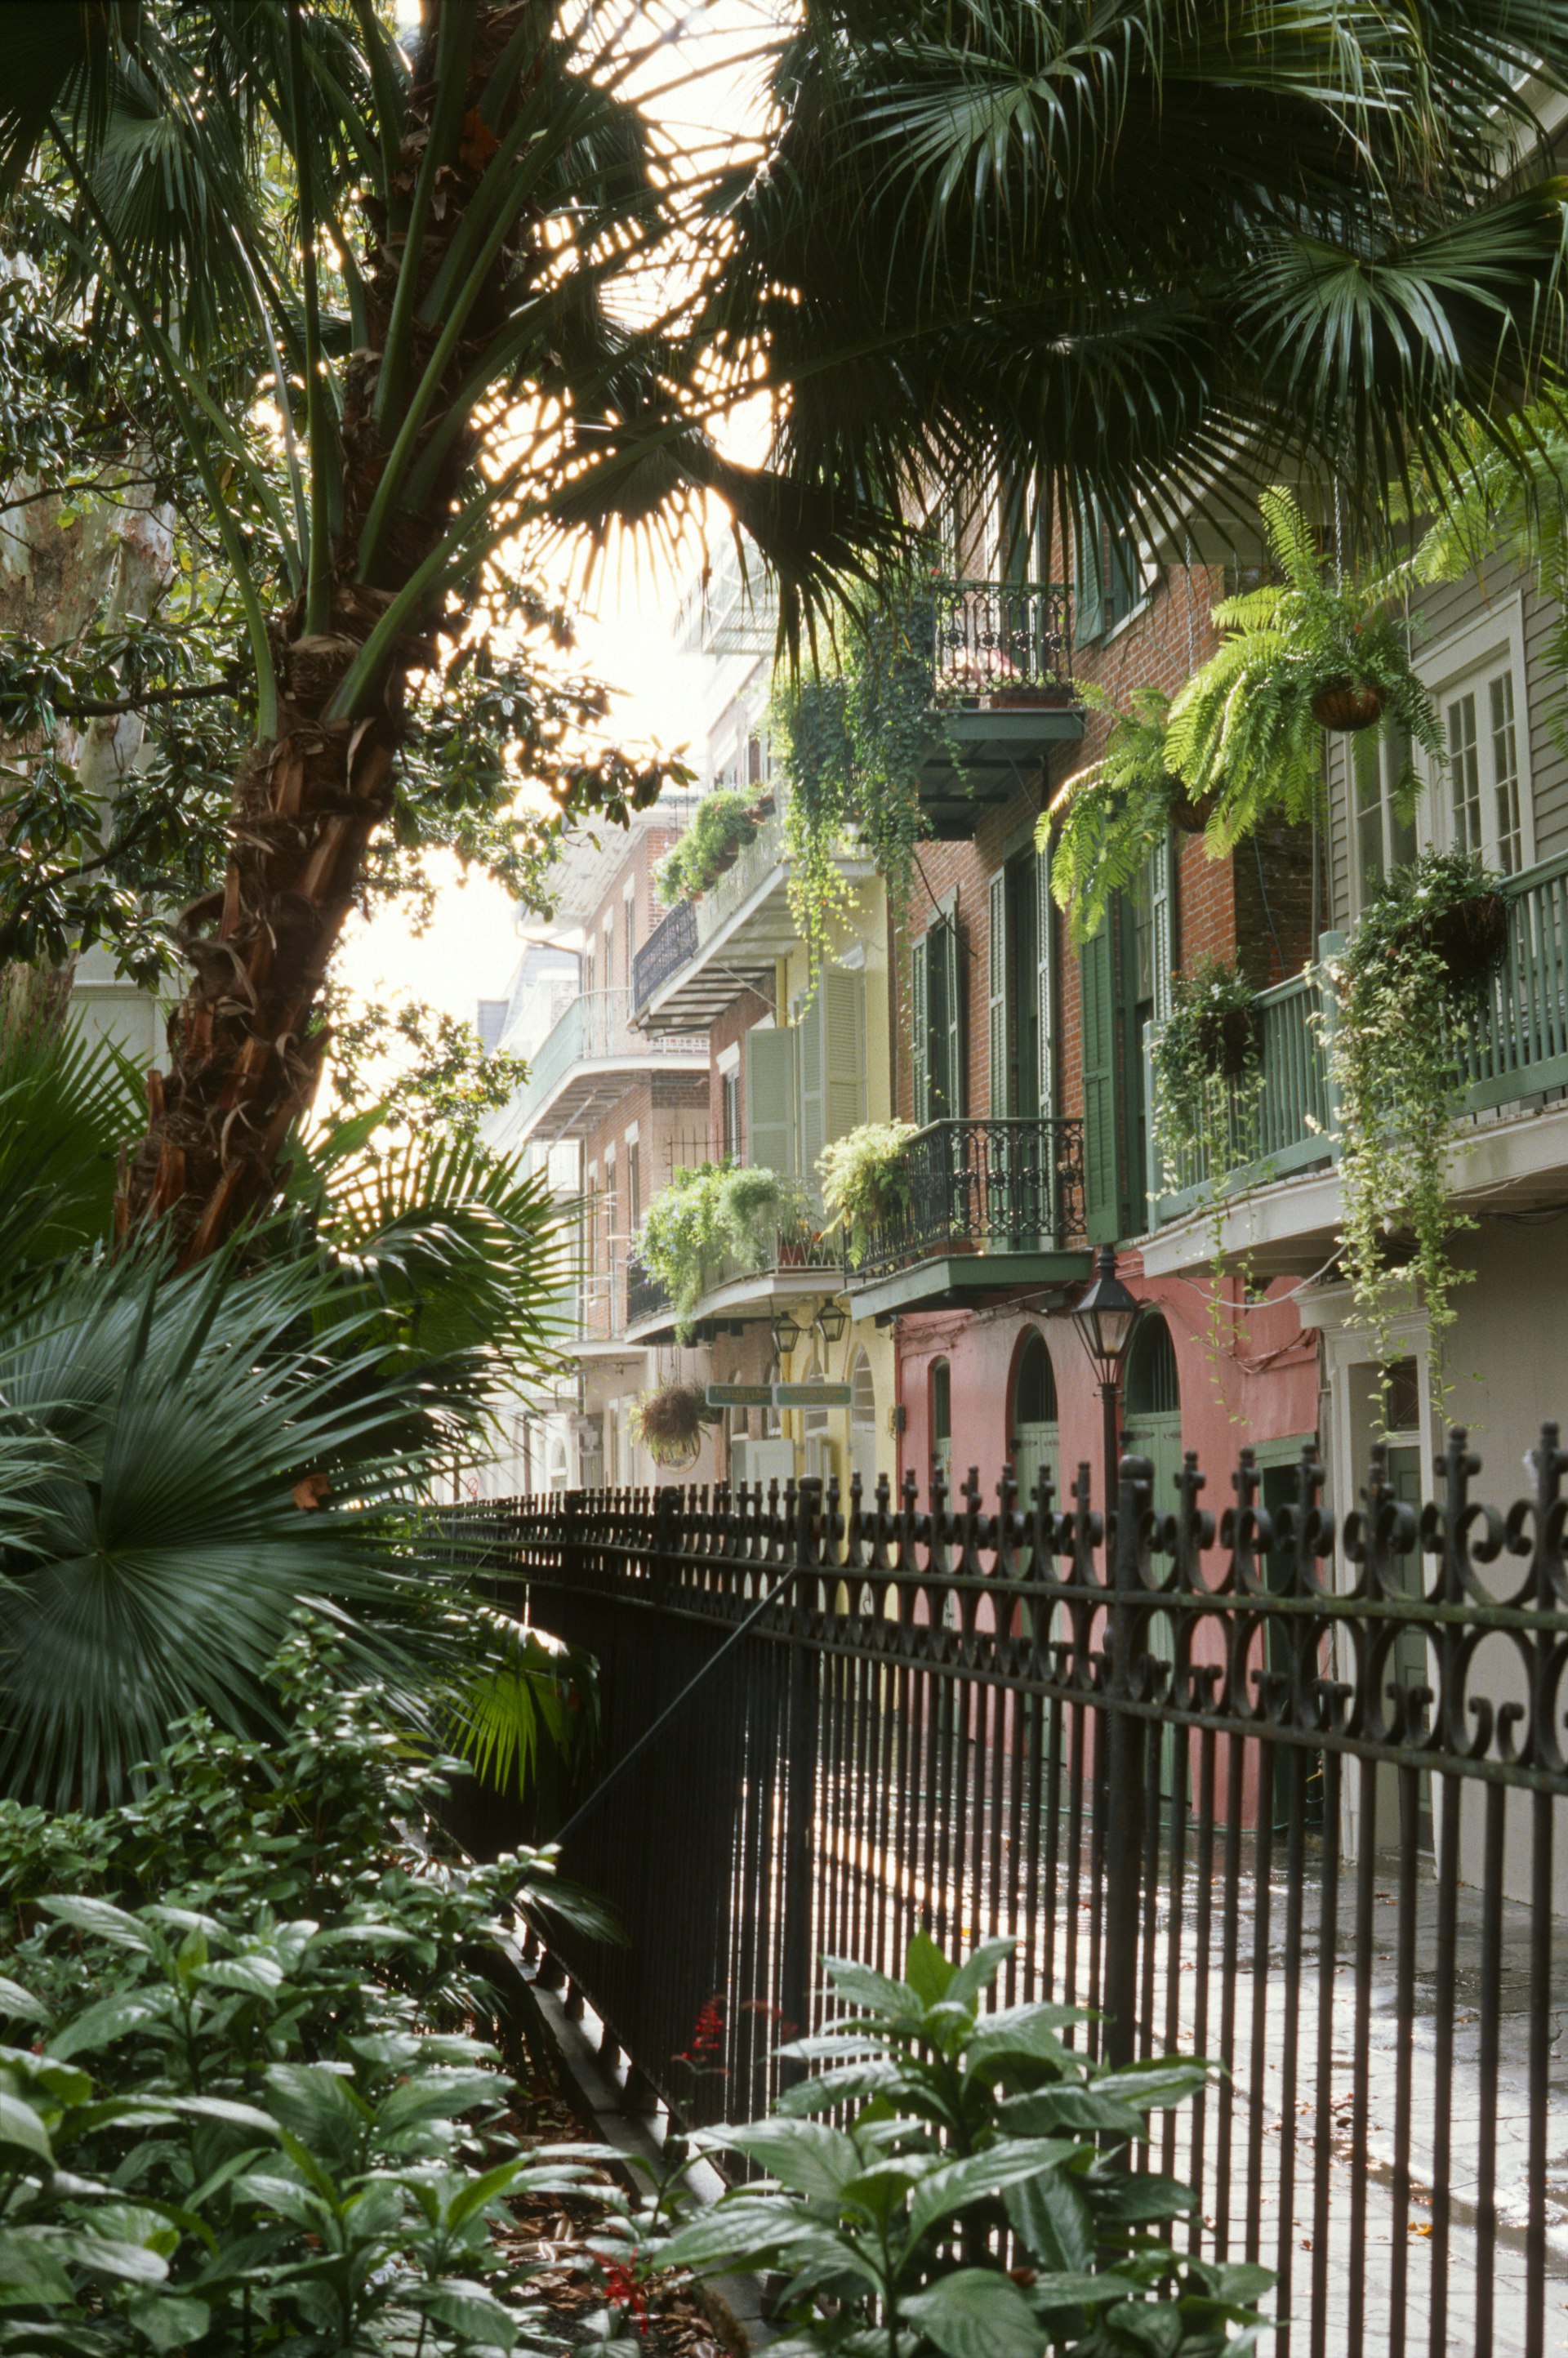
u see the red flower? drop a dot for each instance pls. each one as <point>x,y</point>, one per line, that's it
<point>622,2291</point>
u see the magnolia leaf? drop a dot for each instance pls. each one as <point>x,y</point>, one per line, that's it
<point>976,2313</point>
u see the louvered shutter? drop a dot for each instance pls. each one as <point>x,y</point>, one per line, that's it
<point>810,1041</point>
<point>843,998</point>
<point>996,998</point>
<point>1163,924</point>
<point>770,1101</point>
<point>1044,1000</point>
<point>1088,592</point>
<point>920,1029</point>
<point>1097,973</point>
<point>956,1097</point>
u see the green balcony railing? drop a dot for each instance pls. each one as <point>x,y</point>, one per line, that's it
<point>1514,1044</point>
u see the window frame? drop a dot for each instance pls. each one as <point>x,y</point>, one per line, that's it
<point>1466,663</point>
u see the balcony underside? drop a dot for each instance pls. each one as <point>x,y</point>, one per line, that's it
<point>963,1280</point>
<point>590,1090</point>
<point>744,1300</point>
<point>998,752</point>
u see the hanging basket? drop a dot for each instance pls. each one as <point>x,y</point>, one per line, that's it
<point>1227,1041</point>
<point>1348,704</point>
<point>1470,937</point>
<point>1191,817</point>
<point>669,1423</point>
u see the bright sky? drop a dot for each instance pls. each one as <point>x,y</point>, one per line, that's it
<point>626,635</point>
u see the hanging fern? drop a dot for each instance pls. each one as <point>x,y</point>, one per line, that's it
<point>1244,729</point>
<point>1113,815</point>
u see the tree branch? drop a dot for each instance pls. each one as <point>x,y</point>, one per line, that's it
<point>100,709</point>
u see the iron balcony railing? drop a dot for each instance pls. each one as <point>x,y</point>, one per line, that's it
<point>646,1295</point>
<point>793,1246</point>
<point>982,1188</point>
<point>670,945</point>
<point>999,642</point>
<point>1514,1045</point>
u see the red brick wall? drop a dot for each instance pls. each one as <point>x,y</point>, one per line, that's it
<point>645,848</point>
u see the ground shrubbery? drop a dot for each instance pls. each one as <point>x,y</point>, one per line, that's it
<point>242,2103</point>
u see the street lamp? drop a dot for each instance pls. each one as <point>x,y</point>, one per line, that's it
<point>1104,1319</point>
<point>786,1333</point>
<point>832,1322</point>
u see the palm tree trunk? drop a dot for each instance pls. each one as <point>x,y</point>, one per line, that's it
<point>247,1042</point>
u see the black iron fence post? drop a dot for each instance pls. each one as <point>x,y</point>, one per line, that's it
<point>1125,1749</point>
<point>800,1773</point>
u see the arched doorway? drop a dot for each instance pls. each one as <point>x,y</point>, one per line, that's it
<point>1031,1435</point>
<point>863,1426</point>
<point>1152,1406</point>
<point>942,1422</point>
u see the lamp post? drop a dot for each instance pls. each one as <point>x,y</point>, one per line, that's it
<point>1104,1319</point>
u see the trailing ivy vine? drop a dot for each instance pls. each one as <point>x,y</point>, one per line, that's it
<point>1419,961</point>
<point>709,1209</point>
<point>854,731</point>
<point>1208,1091</point>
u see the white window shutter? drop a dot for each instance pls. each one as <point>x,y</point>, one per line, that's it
<point>770,1101</point>
<point>1044,920</point>
<point>843,998</point>
<point>996,997</point>
<point>920,1030</point>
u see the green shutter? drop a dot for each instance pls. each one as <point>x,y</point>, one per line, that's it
<point>920,1029</point>
<point>812,1130</point>
<point>1161,923</point>
<point>1045,1004</point>
<point>1096,970</point>
<point>770,1101</point>
<point>1088,593</point>
<point>843,998</point>
<point>952,1019</point>
<point>996,998</point>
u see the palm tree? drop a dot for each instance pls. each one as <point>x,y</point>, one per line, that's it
<point>429,297</point>
<point>1154,254</point>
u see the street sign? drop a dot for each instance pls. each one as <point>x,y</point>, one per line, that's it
<point>740,1395</point>
<point>811,1395</point>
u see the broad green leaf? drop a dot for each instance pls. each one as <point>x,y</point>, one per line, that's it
<point>1024,2032</point>
<point>738,2230</point>
<point>954,2185</point>
<point>466,2308</point>
<point>976,2313</point>
<point>169,2320</point>
<point>881,2191</point>
<point>1052,2220</point>
<point>1155,2083</point>
<point>929,1973</point>
<point>97,1916</point>
<point>814,2159</point>
<point>1048,2111</point>
<point>21,2130</point>
<point>846,2084</point>
<point>1136,2197</point>
<point>106,2256</point>
<point>872,1990</point>
<point>18,2003</point>
<point>29,2271</point>
<point>107,2021</point>
<point>256,1976</point>
<point>979,1970</point>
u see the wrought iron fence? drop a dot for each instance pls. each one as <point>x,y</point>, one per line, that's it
<point>670,945</point>
<point>1252,1789</point>
<point>1000,640</point>
<point>646,1295</point>
<point>982,1187</point>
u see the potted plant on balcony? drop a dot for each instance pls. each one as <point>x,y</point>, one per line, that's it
<point>1299,656</point>
<point>724,823</point>
<point>762,1212</point>
<point>1415,975</point>
<point>682,1236</point>
<point>1109,817</point>
<point>865,1182</point>
<point>669,1422</point>
<point>1207,1077</point>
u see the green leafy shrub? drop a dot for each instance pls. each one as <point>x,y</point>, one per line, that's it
<point>1418,961</point>
<point>961,2128</point>
<point>708,1210</point>
<point>1244,728</point>
<point>866,1180</point>
<point>724,820</point>
<point>1111,816</point>
<point>241,2107</point>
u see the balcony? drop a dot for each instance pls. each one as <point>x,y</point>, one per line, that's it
<point>693,965</point>
<point>1514,1050</point>
<point>584,1065</point>
<point>1001,670</point>
<point>796,1265</point>
<point>993,1206</point>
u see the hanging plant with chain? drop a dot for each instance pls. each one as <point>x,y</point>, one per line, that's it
<point>1419,965</point>
<point>1208,1093</point>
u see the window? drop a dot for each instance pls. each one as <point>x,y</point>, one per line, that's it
<point>942,1419</point>
<point>1153,1387</point>
<point>1484,773</point>
<point>937,1036</point>
<point>634,1185</point>
<point>863,1426</point>
<point>1383,785</point>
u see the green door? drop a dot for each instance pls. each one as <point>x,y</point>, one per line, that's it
<point>1102,1187</point>
<point>1152,1428</point>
